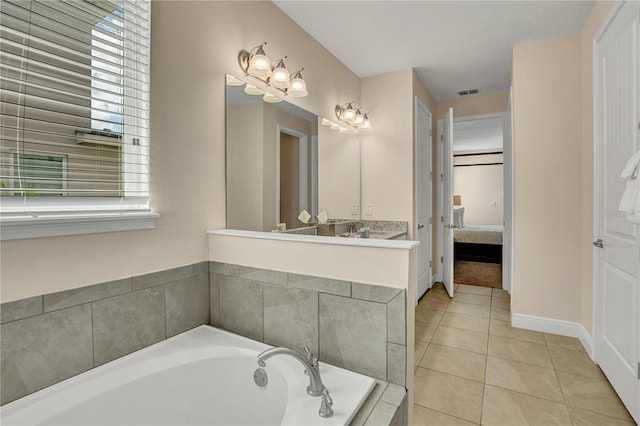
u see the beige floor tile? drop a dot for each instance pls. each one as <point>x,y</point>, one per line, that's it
<point>501,302</point>
<point>466,322</point>
<point>461,339</point>
<point>418,351</point>
<point>575,362</point>
<point>469,309</point>
<point>563,342</point>
<point>498,292</point>
<point>474,289</point>
<point>592,394</point>
<point>448,394</point>
<point>476,299</point>
<point>519,350</point>
<point>428,315</point>
<point>504,407</point>
<point>424,331</point>
<point>503,328</point>
<point>434,304</point>
<point>458,362</point>
<point>500,314</point>
<point>589,418</point>
<point>427,417</point>
<point>524,378</point>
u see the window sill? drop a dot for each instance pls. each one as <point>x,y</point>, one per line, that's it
<point>52,225</point>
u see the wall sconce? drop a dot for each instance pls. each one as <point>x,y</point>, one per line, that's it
<point>257,64</point>
<point>353,116</point>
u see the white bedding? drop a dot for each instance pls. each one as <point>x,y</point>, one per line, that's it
<point>479,234</point>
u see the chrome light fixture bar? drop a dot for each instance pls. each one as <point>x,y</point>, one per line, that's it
<point>353,116</point>
<point>257,64</point>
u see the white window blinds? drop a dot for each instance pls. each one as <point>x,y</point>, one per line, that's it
<point>74,119</point>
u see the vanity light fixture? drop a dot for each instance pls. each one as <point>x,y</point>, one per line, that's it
<point>257,64</point>
<point>353,116</point>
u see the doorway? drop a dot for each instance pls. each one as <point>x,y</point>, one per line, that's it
<point>294,183</point>
<point>480,200</point>
<point>422,187</point>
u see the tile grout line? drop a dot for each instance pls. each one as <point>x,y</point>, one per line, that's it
<point>447,414</point>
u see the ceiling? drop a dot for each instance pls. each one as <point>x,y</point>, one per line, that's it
<point>453,45</point>
<point>478,135</point>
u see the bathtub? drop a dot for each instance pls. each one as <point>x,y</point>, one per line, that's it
<point>203,376</point>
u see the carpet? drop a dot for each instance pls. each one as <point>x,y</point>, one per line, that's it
<point>478,273</point>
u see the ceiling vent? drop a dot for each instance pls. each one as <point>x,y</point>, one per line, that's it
<point>468,92</point>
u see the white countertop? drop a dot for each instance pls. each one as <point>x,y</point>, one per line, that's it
<point>377,241</point>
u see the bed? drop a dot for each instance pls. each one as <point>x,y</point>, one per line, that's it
<point>478,243</point>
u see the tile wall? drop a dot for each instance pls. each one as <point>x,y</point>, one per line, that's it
<point>356,326</point>
<point>49,338</point>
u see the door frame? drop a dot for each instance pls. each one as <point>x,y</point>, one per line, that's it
<point>302,164</point>
<point>418,104</point>
<point>508,192</point>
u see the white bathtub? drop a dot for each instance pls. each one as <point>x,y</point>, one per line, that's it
<point>203,376</point>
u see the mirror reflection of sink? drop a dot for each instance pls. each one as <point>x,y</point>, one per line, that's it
<point>348,235</point>
<point>378,232</point>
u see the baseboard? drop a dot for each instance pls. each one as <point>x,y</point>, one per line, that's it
<point>587,342</point>
<point>554,326</point>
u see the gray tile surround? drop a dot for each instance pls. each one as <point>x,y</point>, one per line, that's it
<point>353,334</point>
<point>49,338</point>
<point>339,320</point>
<point>42,350</point>
<point>83,328</point>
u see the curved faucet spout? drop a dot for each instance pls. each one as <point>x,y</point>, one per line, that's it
<point>315,387</point>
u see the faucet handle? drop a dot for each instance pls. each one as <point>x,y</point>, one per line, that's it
<point>312,359</point>
<point>326,404</point>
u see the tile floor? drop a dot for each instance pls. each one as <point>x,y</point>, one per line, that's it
<point>472,367</point>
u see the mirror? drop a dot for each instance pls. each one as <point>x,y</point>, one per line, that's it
<point>280,161</point>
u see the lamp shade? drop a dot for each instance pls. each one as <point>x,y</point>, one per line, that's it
<point>348,114</point>
<point>298,86</point>
<point>280,78</point>
<point>272,99</point>
<point>259,64</point>
<point>366,124</point>
<point>252,90</point>
<point>232,81</point>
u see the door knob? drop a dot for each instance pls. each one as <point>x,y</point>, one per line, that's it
<point>450,226</point>
<point>420,226</point>
<point>599,243</point>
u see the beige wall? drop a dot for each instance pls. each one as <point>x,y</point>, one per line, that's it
<point>548,178</point>
<point>479,188</point>
<point>187,169</point>
<point>387,151</point>
<point>474,104</point>
<point>598,14</point>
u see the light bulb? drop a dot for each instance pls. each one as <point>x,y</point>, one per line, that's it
<point>348,114</point>
<point>259,64</point>
<point>280,77</point>
<point>298,86</point>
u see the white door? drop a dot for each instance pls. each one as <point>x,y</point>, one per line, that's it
<point>617,272</point>
<point>423,196</point>
<point>447,199</point>
<point>507,155</point>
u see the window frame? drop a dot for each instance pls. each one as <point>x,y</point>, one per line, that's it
<point>33,217</point>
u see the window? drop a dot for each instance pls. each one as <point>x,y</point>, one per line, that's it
<point>74,123</point>
<point>37,175</point>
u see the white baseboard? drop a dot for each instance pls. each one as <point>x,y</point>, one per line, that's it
<point>554,326</point>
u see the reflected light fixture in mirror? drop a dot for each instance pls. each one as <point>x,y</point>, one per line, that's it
<point>353,116</point>
<point>257,64</point>
<point>253,90</point>
<point>270,98</point>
